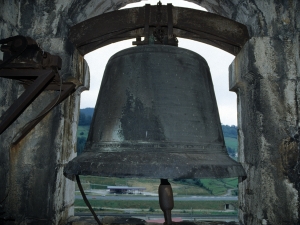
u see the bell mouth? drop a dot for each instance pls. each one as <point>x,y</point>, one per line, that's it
<point>159,165</point>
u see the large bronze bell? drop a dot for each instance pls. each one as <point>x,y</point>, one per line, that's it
<point>156,117</point>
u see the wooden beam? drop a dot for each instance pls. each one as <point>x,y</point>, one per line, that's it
<point>198,25</point>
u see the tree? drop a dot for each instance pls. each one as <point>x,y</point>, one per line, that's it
<point>82,119</point>
<point>231,152</point>
<point>229,131</point>
<point>80,144</point>
<point>151,209</point>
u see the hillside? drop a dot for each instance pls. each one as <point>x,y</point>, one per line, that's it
<point>87,111</point>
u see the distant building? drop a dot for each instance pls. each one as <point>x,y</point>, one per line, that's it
<point>229,207</point>
<point>125,189</point>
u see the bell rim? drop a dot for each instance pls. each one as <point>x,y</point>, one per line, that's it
<point>165,165</point>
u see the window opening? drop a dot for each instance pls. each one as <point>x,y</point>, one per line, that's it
<point>138,197</point>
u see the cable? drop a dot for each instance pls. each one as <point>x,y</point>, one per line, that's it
<point>86,200</point>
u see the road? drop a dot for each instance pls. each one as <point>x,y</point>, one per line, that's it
<point>155,198</point>
<point>224,218</point>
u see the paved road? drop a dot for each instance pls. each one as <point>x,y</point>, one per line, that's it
<point>155,198</point>
<point>224,218</point>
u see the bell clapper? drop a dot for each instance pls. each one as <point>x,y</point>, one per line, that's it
<point>166,201</point>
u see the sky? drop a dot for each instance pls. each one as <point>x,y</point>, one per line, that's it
<point>217,59</point>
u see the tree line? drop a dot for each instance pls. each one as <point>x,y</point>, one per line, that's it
<point>84,120</point>
<point>229,131</point>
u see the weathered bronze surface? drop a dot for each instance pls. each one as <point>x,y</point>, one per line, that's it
<point>197,25</point>
<point>156,116</point>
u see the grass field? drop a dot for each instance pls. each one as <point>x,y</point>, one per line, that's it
<point>151,185</point>
<point>231,142</point>
<point>211,186</point>
<point>83,131</point>
<point>146,205</point>
<point>220,186</point>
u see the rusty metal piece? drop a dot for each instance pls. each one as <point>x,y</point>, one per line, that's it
<point>53,61</point>
<point>172,40</point>
<point>197,25</point>
<point>146,29</point>
<point>158,32</point>
<point>29,77</point>
<point>13,47</point>
<point>24,52</point>
<point>25,99</point>
<point>161,35</point>
<point>166,200</point>
<point>156,116</point>
<point>36,70</point>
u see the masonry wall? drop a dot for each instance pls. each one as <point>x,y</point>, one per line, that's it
<point>264,75</point>
<point>33,189</point>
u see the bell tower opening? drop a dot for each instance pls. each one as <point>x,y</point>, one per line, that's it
<point>191,193</point>
<point>196,196</point>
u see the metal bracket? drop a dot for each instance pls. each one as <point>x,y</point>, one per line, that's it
<point>37,71</point>
<point>43,80</point>
<point>172,40</point>
<point>168,39</point>
<point>146,29</point>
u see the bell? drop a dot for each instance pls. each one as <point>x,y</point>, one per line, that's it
<point>156,117</point>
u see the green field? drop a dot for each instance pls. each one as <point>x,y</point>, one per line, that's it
<point>146,205</point>
<point>181,187</point>
<point>83,131</point>
<point>220,186</point>
<point>231,142</point>
<point>151,185</point>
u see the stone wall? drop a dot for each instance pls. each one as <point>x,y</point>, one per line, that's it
<point>264,75</point>
<point>268,132</point>
<point>34,190</point>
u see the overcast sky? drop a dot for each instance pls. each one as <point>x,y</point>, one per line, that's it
<point>217,59</point>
